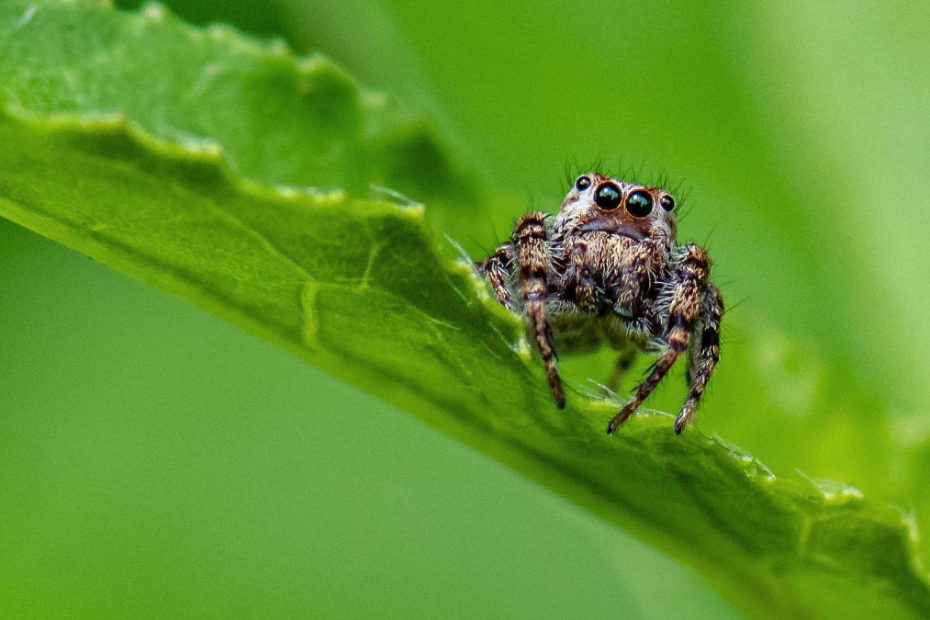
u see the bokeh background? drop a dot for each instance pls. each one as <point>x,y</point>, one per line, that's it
<point>159,462</point>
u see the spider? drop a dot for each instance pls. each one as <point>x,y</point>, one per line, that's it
<point>607,268</point>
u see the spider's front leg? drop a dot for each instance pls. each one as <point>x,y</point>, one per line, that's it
<point>704,354</point>
<point>532,256</point>
<point>688,283</point>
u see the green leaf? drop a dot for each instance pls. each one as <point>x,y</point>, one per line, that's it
<point>238,176</point>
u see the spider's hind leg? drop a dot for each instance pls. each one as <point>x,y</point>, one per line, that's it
<point>495,270</point>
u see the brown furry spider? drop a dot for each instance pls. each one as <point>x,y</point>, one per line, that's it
<point>608,268</point>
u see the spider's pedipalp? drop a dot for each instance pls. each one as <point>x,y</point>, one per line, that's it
<point>495,270</point>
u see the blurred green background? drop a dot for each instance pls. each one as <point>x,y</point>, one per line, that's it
<point>159,462</point>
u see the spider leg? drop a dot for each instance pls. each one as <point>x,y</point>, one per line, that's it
<point>495,270</point>
<point>685,304</point>
<point>533,260</point>
<point>704,354</point>
<point>678,342</point>
<point>625,358</point>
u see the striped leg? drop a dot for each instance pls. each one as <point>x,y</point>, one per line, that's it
<point>495,270</point>
<point>625,359</point>
<point>683,310</point>
<point>532,262</point>
<point>704,355</point>
<point>679,337</point>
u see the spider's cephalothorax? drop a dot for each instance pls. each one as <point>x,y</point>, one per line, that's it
<point>607,268</point>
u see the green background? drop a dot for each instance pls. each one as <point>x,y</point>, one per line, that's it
<point>160,462</point>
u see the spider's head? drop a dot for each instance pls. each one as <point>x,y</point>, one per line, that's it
<point>597,202</point>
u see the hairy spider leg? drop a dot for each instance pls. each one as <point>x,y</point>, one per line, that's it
<point>495,269</point>
<point>622,366</point>
<point>530,239</point>
<point>688,281</point>
<point>704,354</point>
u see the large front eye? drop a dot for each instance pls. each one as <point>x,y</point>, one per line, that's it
<point>608,196</point>
<point>582,183</point>
<point>639,204</point>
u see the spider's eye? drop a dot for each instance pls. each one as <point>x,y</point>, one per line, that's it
<point>608,196</point>
<point>667,202</point>
<point>582,183</point>
<point>639,204</point>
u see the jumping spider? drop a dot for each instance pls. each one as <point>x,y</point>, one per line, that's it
<point>608,268</point>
